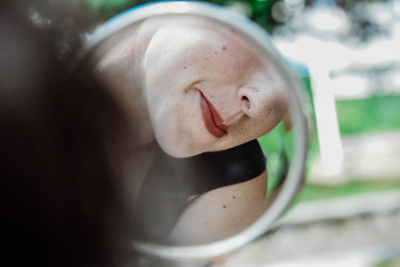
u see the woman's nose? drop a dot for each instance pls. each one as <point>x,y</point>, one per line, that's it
<point>259,102</point>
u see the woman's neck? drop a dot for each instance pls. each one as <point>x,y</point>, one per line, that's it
<point>118,65</point>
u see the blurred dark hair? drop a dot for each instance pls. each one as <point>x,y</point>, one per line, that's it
<point>56,190</point>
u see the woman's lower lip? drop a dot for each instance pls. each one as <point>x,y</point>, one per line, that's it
<point>212,120</point>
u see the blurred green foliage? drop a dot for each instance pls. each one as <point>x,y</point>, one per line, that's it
<point>376,113</point>
<point>273,145</point>
<point>356,117</point>
<point>318,192</point>
<point>108,4</point>
<point>260,10</point>
<point>392,261</point>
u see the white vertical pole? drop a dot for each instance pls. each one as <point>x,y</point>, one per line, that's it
<point>329,139</point>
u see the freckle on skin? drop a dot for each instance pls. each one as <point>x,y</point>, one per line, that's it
<point>224,47</point>
<point>233,196</point>
<point>184,67</point>
<point>224,206</point>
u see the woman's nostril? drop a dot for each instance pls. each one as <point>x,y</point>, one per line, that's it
<point>246,101</point>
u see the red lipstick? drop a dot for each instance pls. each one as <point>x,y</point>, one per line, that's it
<point>212,120</point>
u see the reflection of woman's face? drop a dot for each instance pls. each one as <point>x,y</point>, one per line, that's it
<point>206,89</point>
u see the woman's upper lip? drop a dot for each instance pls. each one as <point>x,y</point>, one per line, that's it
<point>212,119</point>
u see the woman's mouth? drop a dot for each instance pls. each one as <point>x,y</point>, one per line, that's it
<point>212,120</point>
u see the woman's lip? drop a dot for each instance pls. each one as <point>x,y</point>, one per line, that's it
<point>212,120</point>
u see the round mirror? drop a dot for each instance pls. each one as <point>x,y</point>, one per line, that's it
<point>211,141</point>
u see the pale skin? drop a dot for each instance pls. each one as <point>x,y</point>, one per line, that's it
<point>158,71</point>
<point>222,212</point>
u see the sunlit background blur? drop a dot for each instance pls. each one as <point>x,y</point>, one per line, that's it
<point>347,53</point>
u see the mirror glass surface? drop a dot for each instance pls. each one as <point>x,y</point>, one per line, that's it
<point>204,137</point>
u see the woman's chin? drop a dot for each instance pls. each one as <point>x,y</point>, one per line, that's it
<point>183,145</point>
<point>180,150</point>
